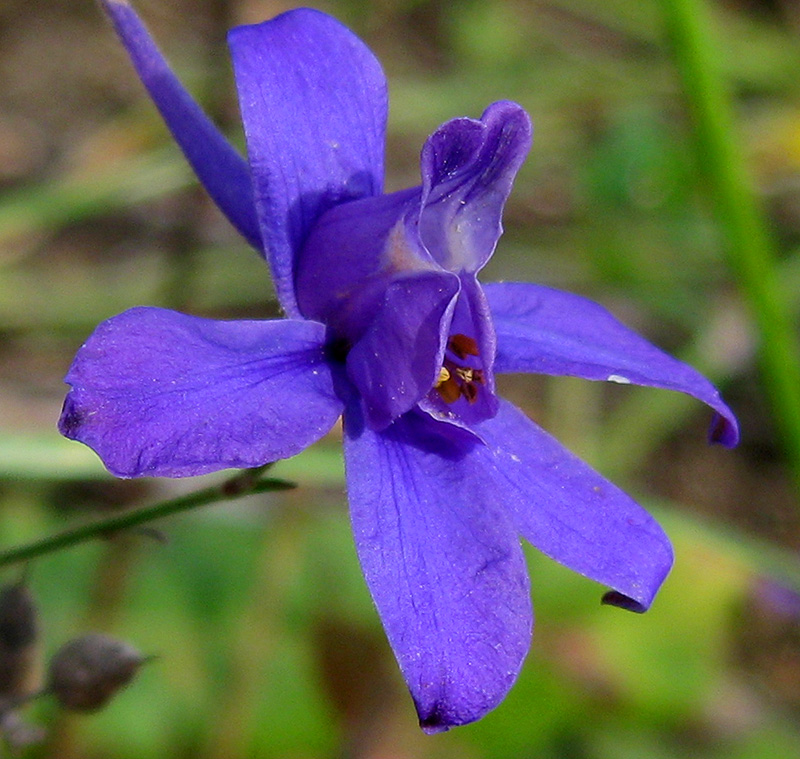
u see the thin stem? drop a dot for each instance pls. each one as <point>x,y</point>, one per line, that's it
<point>246,482</point>
<point>10,704</point>
<point>750,247</point>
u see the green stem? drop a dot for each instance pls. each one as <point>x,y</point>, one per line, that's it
<point>9,705</point>
<point>750,247</point>
<point>245,483</point>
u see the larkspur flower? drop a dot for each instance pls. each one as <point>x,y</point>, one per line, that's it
<point>387,324</point>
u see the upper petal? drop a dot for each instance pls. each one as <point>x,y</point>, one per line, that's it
<point>468,168</point>
<point>444,567</point>
<point>554,332</point>
<point>451,222</point>
<point>223,172</point>
<point>569,511</point>
<point>313,101</point>
<point>352,255</point>
<point>159,393</point>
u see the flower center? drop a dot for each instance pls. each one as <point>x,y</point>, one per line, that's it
<point>456,380</point>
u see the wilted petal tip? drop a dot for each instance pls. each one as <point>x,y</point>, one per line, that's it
<point>621,601</point>
<point>433,723</point>
<point>724,430</point>
<point>441,716</point>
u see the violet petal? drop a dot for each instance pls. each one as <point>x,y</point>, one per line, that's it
<point>549,331</point>
<point>351,256</point>
<point>314,105</point>
<point>397,361</point>
<point>468,168</point>
<point>569,511</point>
<point>158,393</point>
<point>220,168</point>
<point>445,568</point>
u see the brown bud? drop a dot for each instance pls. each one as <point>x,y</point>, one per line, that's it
<point>86,672</point>
<point>18,634</point>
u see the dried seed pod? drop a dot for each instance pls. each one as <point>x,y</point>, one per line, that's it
<point>19,734</point>
<point>18,636</point>
<point>86,672</point>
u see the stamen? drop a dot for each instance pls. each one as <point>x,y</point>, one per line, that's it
<point>457,381</point>
<point>463,346</point>
<point>465,373</point>
<point>469,391</point>
<point>449,390</point>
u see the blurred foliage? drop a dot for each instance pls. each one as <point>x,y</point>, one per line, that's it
<point>267,641</point>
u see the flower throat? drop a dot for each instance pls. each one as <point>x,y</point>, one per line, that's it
<point>456,380</point>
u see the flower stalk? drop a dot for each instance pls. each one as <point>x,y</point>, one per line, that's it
<point>749,245</point>
<point>246,482</point>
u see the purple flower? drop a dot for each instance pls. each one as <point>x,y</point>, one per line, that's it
<point>387,324</point>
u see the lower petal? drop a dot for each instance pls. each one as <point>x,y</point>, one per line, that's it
<point>397,360</point>
<point>569,511</point>
<point>445,569</point>
<point>159,393</point>
<point>554,332</point>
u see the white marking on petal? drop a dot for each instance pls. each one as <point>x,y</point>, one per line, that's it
<point>619,379</point>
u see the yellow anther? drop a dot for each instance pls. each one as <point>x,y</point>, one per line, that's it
<point>444,375</point>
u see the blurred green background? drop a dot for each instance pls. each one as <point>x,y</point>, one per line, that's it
<point>267,641</point>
